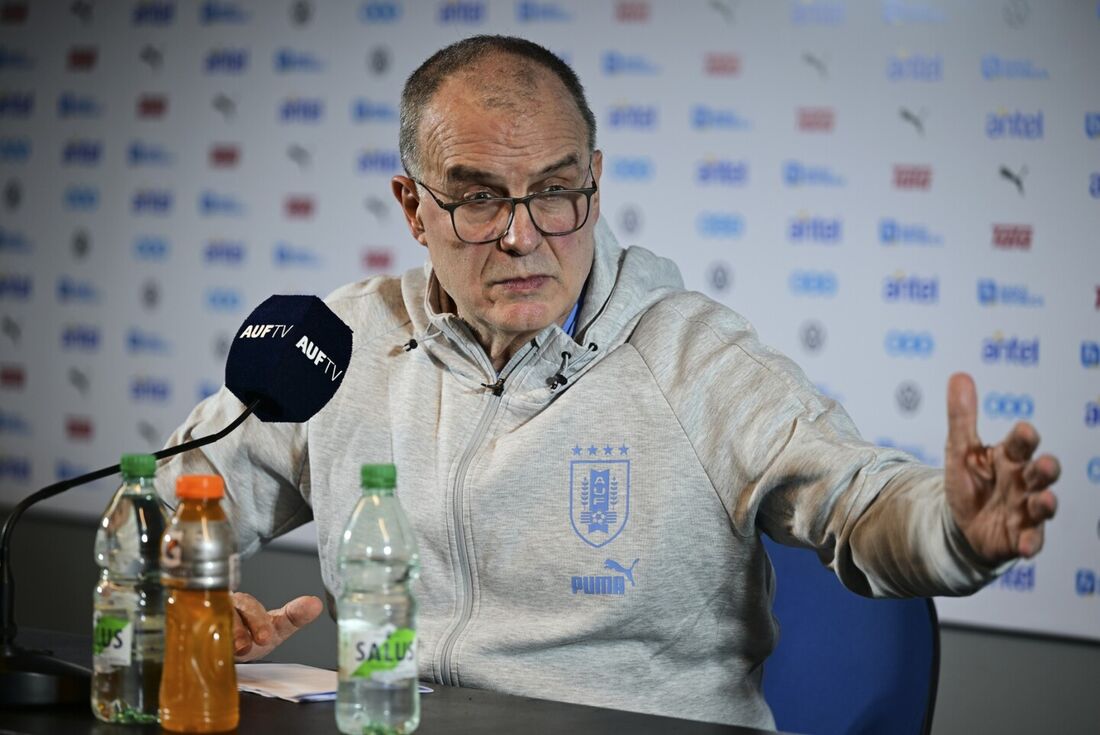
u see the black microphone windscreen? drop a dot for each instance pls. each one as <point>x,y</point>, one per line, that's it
<point>292,353</point>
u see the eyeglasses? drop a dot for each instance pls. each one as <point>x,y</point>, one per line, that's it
<point>554,212</point>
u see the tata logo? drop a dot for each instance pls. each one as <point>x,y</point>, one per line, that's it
<point>377,260</point>
<point>720,225</point>
<point>633,117</point>
<point>81,198</point>
<point>13,13</point>
<point>1016,124</point>
<point>147,154</point>
<point>299,207</point>
<point>824,230</point>
<point>70,290</point>
<point>222,299</point>
<point>1092,122</point>
<point>910,177</point>
<point>893,232</point>
<point>286,255</point>
<point>1094,470</point>
<point>140,342</point>
<point>721,64</point>
<point>153,249</point>
<point>15,150</point>
<point>288,60</point>
<point>15,60</point>
<point>14,424</point>
<point>80,337</point>
<point>1010,350</point>
<point>14,377</point>
<point>712,118</point>
<point>226,61</point>
<point>797,174</point>
<point>152,106</point>
<point>223,252</point>
<point>364,110</point>
<point>14,242</point>
<point>302,110</point>
<point>813,283</point>
<point>898,12</point>
<point>992,293</point>
<point>153,14</point>
<point>379,12</point>
<point>216,12</point>
<point>817,13</point>
<point>530,11</point>
<point>913,289</point>
<point>16,105</point>
<point>151,201</point>
<point>614,63</point>
<point>902,343</point>
<point>73,106</point>
<point>212,204</point>
<point>1090,354</point>
<point>224,155</point>
<point>1012,237</point>
<point>636,168</point>
<point>1084,583</point>
<point>915,68</point>
<point>1092,414</point>
<point>379,161</point>
<point>15,287</point>
<point>632,11</point>
<point>996,67</point>
<point>1008,406</point>
<point>816,119</point>
<point>722,172</point>
<point>457,12</point>
<point>151,390</point>
<point>81,153</point>
<point>16,469</point>
<point>82,58</point>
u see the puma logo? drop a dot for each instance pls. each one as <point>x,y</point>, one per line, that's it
<point>917,121</point>
<point>617,567</point>
<point>1015,178</point>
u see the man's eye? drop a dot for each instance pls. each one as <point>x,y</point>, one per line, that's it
<point>477,196</point>
<point>554,187</point>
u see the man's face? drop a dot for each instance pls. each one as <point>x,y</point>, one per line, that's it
<point>513,287</point>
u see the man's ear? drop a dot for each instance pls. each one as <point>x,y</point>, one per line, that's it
<point>404,190</point>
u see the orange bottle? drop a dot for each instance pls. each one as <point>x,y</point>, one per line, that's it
<point>198,689</point>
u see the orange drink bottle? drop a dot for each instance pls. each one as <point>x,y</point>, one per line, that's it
<point>198,560</point>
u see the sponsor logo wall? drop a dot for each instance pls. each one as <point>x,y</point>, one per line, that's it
<point>899,190</point>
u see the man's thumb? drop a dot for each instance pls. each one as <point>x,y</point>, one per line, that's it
<point>297,613</point>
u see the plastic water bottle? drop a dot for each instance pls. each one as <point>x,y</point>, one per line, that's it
<point>378,691</point>
<point>199,568</point>
<point>128,619</point>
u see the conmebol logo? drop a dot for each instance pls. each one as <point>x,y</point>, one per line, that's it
<point>1090,354</point>
<point>992,293</point>
<point>139,342</point>
<point>364,110</point>
<point>893,232</point>
<point>796,173</point>
<point>70,290</point>
<point>463,12</point>
<point>286,255</point>
<point>614,63</point>
<point>996,67</point>
<point>380,11</point>
<point>73,106</point>
<point>148,154</point>
<point>289,60</point>
<point>226,61</point>
<point>914,289</point>
<point>216,12</point>
<point>1010,350</point>
<point>213,204</point>
<point>531,11</point>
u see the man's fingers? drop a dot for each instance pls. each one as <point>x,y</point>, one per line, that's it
<point>255,618</point>
<point>1042,473</point>
<point>1031,540</point>
<point>242,639</point>
<point>296,614</point>
<point>1021,442</point>
<point>962,414</point>
<point>1041,506</point>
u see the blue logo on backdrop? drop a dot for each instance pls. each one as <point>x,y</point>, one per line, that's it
<point>223,299</point>
<point>226,61</point>
<point>796,173</point>
<point>722,172</point>
<point>901,343</point>
<point>1094,185</point>
<point>379,161</point>
<point>635,168</point>
<point>897,12</point>
<point>1020,578</point>
<point>223,252</point>
<point>15,287</point>
<point>892,232</point>
<point>81,337</point>
<point>147,154</point>
<point>65,470</point>
<point>74,106</point>
<point>81,198</point>
<point>146,343</point>
<point>286,255</point>
<point>378,11</point>
<point>1084,582</point>
<point>154,249</point>
<point>1094,470</point>
<point>153,14</point>
<point>1008,406</point>
<point>613,62</point>
<point>206,388</point>
<point>991,293</point>
<point>15,150</point>
<point>1092,414</point>
<point>81,152</point>
<point>914,67</point>
<point>1010,350</point>
<point>599,492</point>
<point>152,201</point>
<point>153,390</point>
<point>288,60</point>
<point>817,13</point>
<point>815,229</point>
<point>16,105</point>
<point>14,424</point>
<point>917,290</point>
<point>215,12</point>
<point>1092,123</point>
<point>364,110</point>
<point>212,204</point>
<point>531,11</point>
<point>17,469</point>
<point>70,290</point>
<point>15,60</point>
<point>916,450</point>
<point>634,117</point>
<point>999,67</point>
<point>1018,124</point>
<point>461,12</point>
<point>14,242</point>
<point>302,110</point>
<point>1090,354</point>
<point>813,283</point>
<point>720,224</point>
<point>713,118</point>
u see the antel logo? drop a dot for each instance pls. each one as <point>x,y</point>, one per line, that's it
<point>632,11</point>
<point>153,14</point>
<point>224,156</point>
<point>1008,406</point>
<point>79,428</point>
<point>152,106</point>
<point>226,61</point>
<point>81,337</point>
<point>634,117</point>
<point>914,289</point>
<point>82,58</point>
<point>722,172</point>
<point>722,64</point>
<point>903,343</point>
<point>1012,237</point>
<point>299,207</point>
<point>302,110</point>
<point>17,469</point>
<point>915,67</point>
<point>81,153</point>
<point>15,287</point>
<point>379,161</point>
<point>1010,350</point>
<point>1016,124</point>
<point>151,201</point>
<point>16,105</point>
<point>824,230</point>
<point>223,252</point>
<point>459,12</point>
<point>153,390</point>
<point>910,177</point>
<point>816,119</point>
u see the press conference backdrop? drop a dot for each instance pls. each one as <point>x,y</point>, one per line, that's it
<point>890,191</point>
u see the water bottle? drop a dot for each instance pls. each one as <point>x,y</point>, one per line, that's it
<point>378,691</point>
<point>199,569</point>
<point>128,618</point>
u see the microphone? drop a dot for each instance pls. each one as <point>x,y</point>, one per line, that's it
<point>286,362</point>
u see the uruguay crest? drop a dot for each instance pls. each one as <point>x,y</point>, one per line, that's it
<point>599,499</point>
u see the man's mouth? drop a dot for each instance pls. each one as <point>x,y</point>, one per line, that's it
<point>520,285</point>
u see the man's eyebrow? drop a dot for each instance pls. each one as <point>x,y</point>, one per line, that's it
<point>459,173</point>
<point>570,160</point>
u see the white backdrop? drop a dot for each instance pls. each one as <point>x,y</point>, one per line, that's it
<point>891,191</point>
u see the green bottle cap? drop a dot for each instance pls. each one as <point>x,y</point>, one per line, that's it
<point>138,465</point>
<point>378,477</point>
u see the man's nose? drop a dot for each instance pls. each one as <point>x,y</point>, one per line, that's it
<point>522,237</point>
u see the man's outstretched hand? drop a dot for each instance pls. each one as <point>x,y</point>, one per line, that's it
<point>999,495</point>
<point>257,631</point>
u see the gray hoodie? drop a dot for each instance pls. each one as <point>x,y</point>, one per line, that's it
<point>598,540</point>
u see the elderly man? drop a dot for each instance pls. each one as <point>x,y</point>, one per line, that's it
<point>588,452</point>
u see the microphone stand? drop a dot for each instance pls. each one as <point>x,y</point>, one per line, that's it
<point>36,677</point>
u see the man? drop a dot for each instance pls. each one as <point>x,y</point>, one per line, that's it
<point>589,453</point>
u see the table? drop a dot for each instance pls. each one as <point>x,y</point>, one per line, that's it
<point>454,711</point>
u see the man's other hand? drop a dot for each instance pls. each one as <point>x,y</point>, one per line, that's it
<point>999,495</point>
<point>257,631</point>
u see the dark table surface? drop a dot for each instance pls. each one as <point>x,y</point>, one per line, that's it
<point>455,711</point>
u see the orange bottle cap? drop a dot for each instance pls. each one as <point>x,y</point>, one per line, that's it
<point>200,487</point>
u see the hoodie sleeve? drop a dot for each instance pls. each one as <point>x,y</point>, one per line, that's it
<point>788,461</point>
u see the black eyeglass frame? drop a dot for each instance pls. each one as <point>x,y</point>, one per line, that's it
<point>450,208</point>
